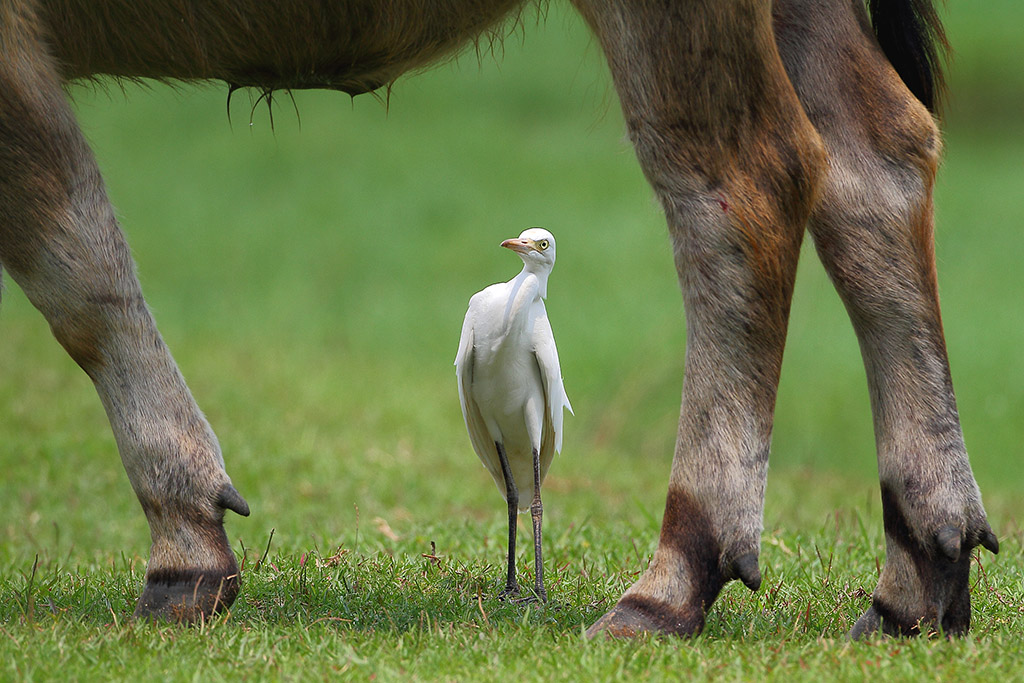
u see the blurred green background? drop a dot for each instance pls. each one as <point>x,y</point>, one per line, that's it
<point>311,282</point>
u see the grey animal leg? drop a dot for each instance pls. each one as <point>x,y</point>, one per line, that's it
<point>873,229</point>
<point>734,161</point>
<point>60,242</point>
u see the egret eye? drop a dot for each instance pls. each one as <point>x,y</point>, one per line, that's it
<point>543,244</point>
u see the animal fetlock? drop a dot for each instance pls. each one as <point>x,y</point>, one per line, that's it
<point>192,571</point>
<point>186,590</point>
<point>924,583</point>
<point>711,548</point>
<point>697,554</point>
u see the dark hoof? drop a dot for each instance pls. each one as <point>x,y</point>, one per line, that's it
<point>948,540</point>
<point>747,571</point>
<point>950,619</point>
<point>866,626</point>
<point>878,620</point>
<point>230,499</point>
<point>635,614</point>
<point>187,596</point>
<point>989,541</point>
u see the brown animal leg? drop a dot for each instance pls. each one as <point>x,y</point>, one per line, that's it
<point>873,230</point>
<point>60,242</point>
<point>732,158</point>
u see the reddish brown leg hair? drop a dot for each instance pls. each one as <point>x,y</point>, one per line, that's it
<point>873,230</point>
<point>60,242</point>
<point>723,141</point>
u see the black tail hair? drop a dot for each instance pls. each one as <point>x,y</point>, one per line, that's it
<point>912,38</point>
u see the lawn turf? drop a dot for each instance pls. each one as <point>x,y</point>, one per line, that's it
<point>311,282</point>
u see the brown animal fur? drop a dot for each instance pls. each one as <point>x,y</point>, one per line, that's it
<point>883,149</point>
<point>355,46</point>
<point>751,121</point>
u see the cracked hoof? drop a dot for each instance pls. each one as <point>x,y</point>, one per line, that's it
<point>635,614</point>
<point>187,596</point>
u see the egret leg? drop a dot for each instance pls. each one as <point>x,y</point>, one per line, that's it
<point>512,496</point>
<point>537,512</point>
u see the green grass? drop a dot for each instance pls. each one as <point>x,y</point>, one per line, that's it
<point>311,282</point>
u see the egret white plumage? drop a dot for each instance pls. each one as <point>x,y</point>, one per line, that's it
<point>510,386</point>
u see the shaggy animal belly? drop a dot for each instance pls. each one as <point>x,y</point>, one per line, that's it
<point>350,46</point>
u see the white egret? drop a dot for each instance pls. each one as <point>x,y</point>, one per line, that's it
<point>510,386</point>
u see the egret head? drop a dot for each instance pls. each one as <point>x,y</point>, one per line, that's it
<point>536,246</point>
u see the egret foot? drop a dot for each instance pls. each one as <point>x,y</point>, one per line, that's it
<point>530,599</point>
<point>538,594</point>
<point>510,593</point>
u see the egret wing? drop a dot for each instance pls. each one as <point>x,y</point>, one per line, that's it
<point>555,398</point>
<point>475,425</point>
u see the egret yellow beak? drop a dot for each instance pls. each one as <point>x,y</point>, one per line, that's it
<point>520,245</point>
